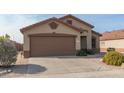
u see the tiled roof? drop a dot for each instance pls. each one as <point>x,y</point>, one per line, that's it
<point>60,21</point>
<point>50,19</point>
<point>113,35</point>
<point>96,33</point>
<point>71,16</point>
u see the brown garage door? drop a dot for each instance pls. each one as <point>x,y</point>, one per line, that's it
<point>52,46</point>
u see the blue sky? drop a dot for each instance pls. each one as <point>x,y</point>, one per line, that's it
<point>11,23</point>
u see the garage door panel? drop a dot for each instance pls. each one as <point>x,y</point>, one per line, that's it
<point>52,46</point>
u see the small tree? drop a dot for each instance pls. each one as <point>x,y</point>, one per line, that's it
<point>8,52</point>
<point>7,36</point>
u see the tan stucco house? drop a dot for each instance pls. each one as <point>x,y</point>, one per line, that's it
<point>113,39</point>
<point>59,37</point>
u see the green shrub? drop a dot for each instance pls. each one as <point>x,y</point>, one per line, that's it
<point>113,58</point>
<point>85,52</point>
<point>104,58</point>
<point>81,53</point>
<point>8,53</point>
<point>90,52</point>
<point>123,59</point>
<point>110,49</point>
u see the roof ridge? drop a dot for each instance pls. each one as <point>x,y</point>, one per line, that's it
<point>52,18</point>
<point>44,21</point>
<point>76,18</point>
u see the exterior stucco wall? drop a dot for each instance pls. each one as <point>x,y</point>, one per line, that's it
<point>112,43</point>
<point>117,44</point>
<point>97,40</point>
<point>77,24</point>
<point>46,29</point>
<point>83,26</point>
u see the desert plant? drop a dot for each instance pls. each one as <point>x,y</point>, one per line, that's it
<point>8,52</point>
<point>90,52</point>
<point>123,59</point>
<point>81,53</point>
<point>113,58</point>
<point>110,49</point>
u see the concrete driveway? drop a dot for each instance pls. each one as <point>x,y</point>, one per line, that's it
<point>62,66</point>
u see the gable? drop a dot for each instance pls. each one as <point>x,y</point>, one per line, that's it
<point>76,25</point>
<point>51,26</point>
<point>76,22</point>
<point>47,21</point>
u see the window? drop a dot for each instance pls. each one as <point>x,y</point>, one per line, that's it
<point>69,22</point>
<point>93,42</point>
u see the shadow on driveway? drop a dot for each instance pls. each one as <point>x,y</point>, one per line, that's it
<point>23,69</point>
<point>78,57</point>
<point>99,55</point>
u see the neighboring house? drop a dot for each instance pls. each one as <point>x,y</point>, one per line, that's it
<point>114,39</point>
<point>18,46</point>
<point>59,37</point>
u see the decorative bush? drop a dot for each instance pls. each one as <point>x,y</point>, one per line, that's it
<point>113,58</point>
<point>90,52</point>
<point>8,52</point>
<point>85,52</point>
<point>110,49</point>
<point>81,53</point>
<point>123,59</point>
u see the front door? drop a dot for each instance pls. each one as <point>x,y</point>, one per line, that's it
<point>83,42</point>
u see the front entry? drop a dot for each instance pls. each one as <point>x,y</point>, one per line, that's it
<point>83,42</point>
